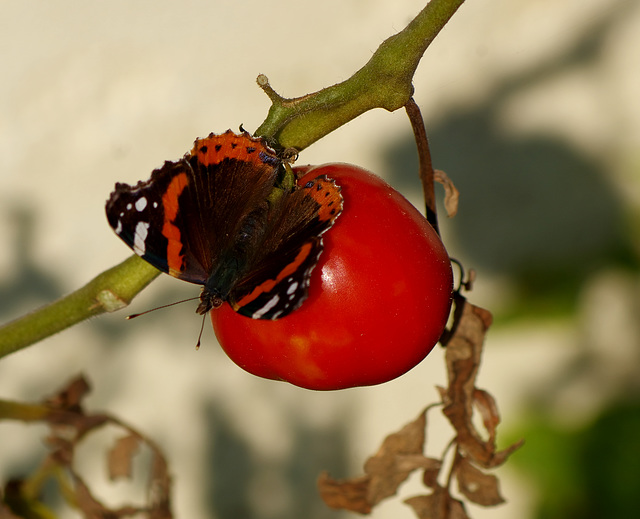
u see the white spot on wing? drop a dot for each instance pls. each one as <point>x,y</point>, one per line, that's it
<point>268,306</point>
<point>140,238</point>
<point>141,203</point>
<point>292,288</point>
<point>118,228</point>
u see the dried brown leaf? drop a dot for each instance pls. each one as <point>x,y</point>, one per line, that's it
<point>438,505</point>
<point>412,462</point>
<point>463,355</point>
<point>501,456</point>
<point>385,468</point>
<point>486,404</point>
<point>84,500</point>
<point>477,486</point>
<point>430,475</point>
<point>347,494</point>
<point>400,454</point>
<point>69,424</point>
<point>120,457</point>
<point>159,486</point>
<point>70,396</point>
<point>451,194</point>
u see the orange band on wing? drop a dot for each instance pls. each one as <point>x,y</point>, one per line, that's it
<point>215,148</point>
<point>175,260</point>
<point>270,283</point>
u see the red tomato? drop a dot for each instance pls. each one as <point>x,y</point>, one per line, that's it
<point>378,301</point>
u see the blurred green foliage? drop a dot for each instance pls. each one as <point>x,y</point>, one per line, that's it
<point>587,472</point>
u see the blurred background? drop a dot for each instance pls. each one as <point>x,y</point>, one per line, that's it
<point>532,109</point>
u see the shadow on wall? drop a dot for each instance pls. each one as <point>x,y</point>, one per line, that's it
<point>30,284</point>
<point>242,484</point>
<point>533,208</point>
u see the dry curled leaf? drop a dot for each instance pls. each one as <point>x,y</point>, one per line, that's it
<point>478,487</point>
<point>463,355</point>
<point>159,487</point>
<point>346,494</point>
<point>451,193</point>
<point>430,474</point>
<point>385,467</point>
<point>120,457</point>
<point>69,424</point>
<point>399,455</point>
<point>438,505</point>
<point>484,402</point>
<point>71,395</point>
<point>92,508</point>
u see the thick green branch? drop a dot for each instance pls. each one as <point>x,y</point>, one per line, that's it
<point>384,82</point>
<point>110,291</point>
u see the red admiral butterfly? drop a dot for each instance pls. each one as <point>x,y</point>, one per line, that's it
<point>229,216</point>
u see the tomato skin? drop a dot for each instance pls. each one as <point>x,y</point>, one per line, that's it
<point>378,301</point>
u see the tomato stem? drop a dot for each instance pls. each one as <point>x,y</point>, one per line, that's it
<point>427,175</point>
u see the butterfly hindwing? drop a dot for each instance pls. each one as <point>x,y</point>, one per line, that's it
<point>279,281</point>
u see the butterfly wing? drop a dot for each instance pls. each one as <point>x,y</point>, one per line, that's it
<point>279,281</point>
<point>188,213</point>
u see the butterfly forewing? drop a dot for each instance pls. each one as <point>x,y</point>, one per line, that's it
<point>187,214</point>
<point>143,215</point>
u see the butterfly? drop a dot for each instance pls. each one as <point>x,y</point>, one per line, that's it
<point>231,217</point>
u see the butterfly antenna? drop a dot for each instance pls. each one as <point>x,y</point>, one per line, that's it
<point>201,330</point>
<point>133,316</point>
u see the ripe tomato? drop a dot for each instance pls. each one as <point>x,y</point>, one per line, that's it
<point>378,301</point>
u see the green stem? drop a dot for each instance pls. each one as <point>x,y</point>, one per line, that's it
<point>384,82</point>
<point>110,291</point>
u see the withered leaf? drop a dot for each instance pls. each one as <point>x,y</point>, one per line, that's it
<point>92,508</point>
<point>385,468</point>
<point>70,396</point>
<point>463,355</point>
<point>486,404</point>
<point>68,425</point>
<point>159,486</point>
<point>400,454</point>
<point>477,486</point>
<point>430,475</point>
<point>84,500</point>
<point>438,505</point>
<point>120,457</point>
<point>451,194</point>
<point>411,462</point>
<point>347,494</point>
